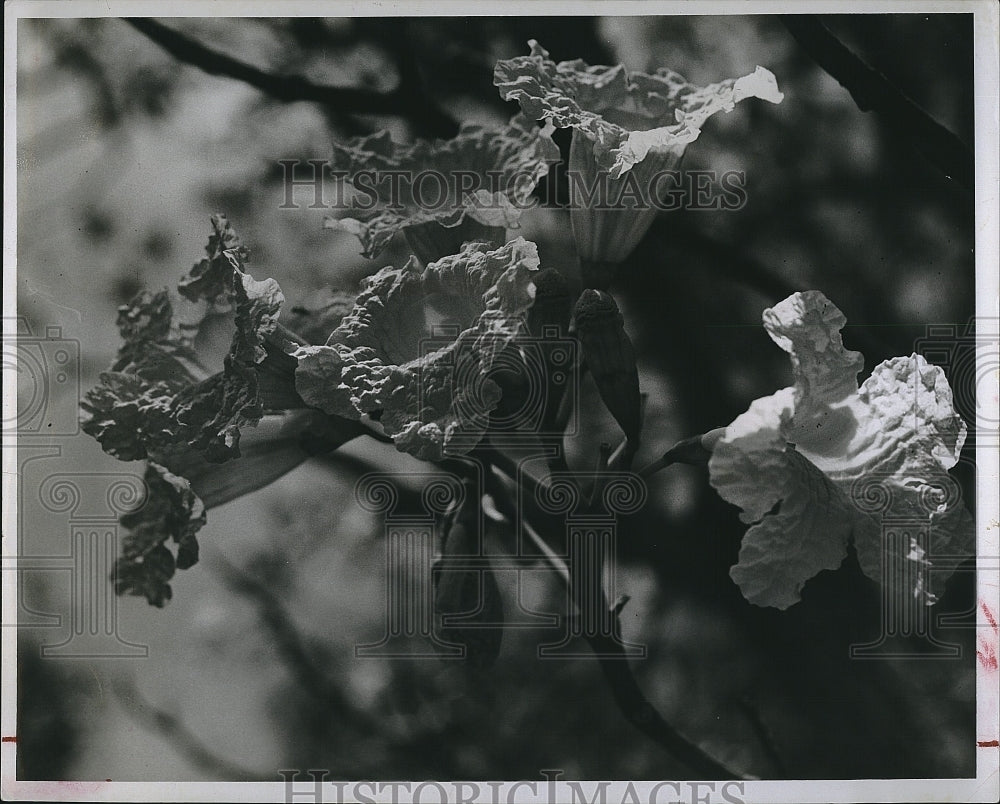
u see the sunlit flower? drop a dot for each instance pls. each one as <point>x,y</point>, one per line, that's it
<point>628,128</point>
<point>416,351</point>
<point>795,460</point>
<point>443,193</point>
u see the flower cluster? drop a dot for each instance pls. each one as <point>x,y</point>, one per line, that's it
<point>160,403</point>
<point>413,357</point>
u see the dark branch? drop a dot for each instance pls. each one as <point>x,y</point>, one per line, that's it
<point>427,117</point>
<point>872,91</point>
<point>617,672</point>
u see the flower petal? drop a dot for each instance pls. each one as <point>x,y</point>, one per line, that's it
<point>626,114</point>
<point>510,158</point>
<point>171,511</point>
<point>803,520</point>
<point>387,359</point>
<point>911,426</point>
<point>808,533</point>
<point>185,485</point>
<point>157,396</point>
<point>810,448</point>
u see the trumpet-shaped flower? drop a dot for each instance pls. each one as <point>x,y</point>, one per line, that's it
<point>208,438</point>
<point>443,193</point>
<point>416,352</point>
<point>158,394</point>
<point>623,122</point>
<point>802,465</point>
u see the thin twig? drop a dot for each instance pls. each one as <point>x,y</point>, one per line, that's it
<point>872,91</point>
<point>427,117</point>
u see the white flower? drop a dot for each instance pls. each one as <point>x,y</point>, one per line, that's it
<point>794,461</point>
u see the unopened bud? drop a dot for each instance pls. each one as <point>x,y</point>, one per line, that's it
<point>610,357</point>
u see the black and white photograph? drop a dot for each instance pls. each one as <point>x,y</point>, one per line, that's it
<point>578,403</point>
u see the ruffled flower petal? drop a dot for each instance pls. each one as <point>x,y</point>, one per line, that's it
<point>183,486</point>
<point>628,129</point>
<point>795,461</point>
<point>449,205</point>
<point>626,114</point>
<point>159,403</point>
<point>157,394</point>
<point>171,512</point>
<point>389,360</point>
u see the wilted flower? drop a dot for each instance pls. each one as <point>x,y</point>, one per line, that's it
<point>443,193</point>
<point>416,351</point>
<point>628,128</point>
<point>792,460</point>
<point>159,402</point>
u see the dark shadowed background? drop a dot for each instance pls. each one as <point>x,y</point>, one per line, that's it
<point>124,152</point>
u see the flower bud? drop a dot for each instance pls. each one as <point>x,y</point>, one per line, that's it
<point>610,357</point>
<point>553,304</point>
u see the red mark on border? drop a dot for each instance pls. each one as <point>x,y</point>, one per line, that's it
<point>989,743</point>
<point>986,643</point>
<point>11,739</point>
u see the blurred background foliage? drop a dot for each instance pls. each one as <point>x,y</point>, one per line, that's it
<point>123,153</point>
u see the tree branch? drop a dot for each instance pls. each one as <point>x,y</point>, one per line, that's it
<point>425,115</point>
<point>617,671</point>
<point>872,91</point>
